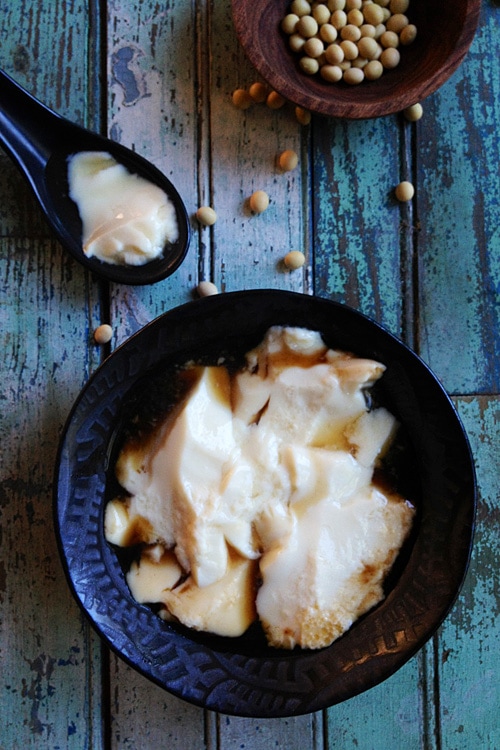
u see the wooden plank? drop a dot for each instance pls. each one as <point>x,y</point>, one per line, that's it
<point>145,717</point>
<point>294,733</point>
<point>210,162</point>
<point>391,714</point>
<point>172,69</point>
<point>50,678</point>
<point>51,682</point>
<point>153,109</point>
<point>247,252</point>
<point>459,215</point>
<point>363,243</point>
<point>361,232</point>
<point>469,660</point>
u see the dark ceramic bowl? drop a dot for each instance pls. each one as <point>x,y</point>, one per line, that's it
<point>243,676</point>
<point>445,32</point>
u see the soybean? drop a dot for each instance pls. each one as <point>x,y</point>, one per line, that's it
<point>294,260</point>
<point>259,201</point>
<point>373,70</point>
<point>351,33</point>
<point>307,26</point>
<point>397,22</point>
<point>288,160</point>
<point>353,76</point>
<point>404,191</point>
<point>206,289</point>
<point>321,13</point>
<point>369,48</point>
<point>242,99</point>
<point>366,31</point>
<point>289,23</point>
<point>309,65</point>
<point>103,334</point>
<point>328,33</point>
<point>302,115</point>
<point>331,73</point>
<point>334,54</point>
<point>206,216</point>
<point>275,100</point>
<point>258,91</point>
<point>301,7</point>
<point>314,48</point>
<point>414,112</point>
<point>390,58</point>
<point>408,34</point>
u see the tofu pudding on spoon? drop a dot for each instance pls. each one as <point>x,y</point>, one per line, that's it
<point>126,219</point>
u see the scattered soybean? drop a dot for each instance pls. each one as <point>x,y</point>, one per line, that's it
<point>414,112</point>
<point>259,201</point>
<point>294,260</point>
<point>206,216</point>
<point>288,160</point>
<point>206,289</point>
<point>103,334</point>
<point>404,191</point>
<point>242,99</point>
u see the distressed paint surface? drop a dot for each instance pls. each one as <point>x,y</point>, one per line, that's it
<point>359,228</point>
<point>458,178</point>
<point>50,660</point>
<point>468,640</point>
<point>159,77</point>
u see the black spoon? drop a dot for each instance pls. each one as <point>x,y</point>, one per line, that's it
<point>40,143</point>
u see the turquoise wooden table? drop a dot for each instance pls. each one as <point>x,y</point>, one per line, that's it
<point>159,77</point>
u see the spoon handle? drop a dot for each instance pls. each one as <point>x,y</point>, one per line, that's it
<point>29,130</point>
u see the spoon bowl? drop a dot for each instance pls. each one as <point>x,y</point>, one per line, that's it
<point>40,142</point>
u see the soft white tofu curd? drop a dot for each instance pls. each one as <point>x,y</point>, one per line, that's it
<point>125,218</point>
<point>260,486</point>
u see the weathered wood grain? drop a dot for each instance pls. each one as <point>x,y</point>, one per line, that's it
<point>394,709</point>
<point>50,666</point>
<point>159,78</point>
<point>459,214</point>
<point>153,108</point>
<point>51,682</point>
<point>216,155</point>
<point>248,249</point>
<point>468,658</point>
<point>283,734</point>
<point>361,232</point>
<point>363,243</point>
<point>145,716</point>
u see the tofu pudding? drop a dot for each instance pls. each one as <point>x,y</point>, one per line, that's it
<point>126,220</point>
<point>255,499</point>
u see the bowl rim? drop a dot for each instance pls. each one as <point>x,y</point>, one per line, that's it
<point>211,672</point>
<point>245,14</point>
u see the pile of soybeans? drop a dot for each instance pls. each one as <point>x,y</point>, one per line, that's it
<point>349,40</point>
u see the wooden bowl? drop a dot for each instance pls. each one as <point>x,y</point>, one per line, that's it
<point>445,29</point>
